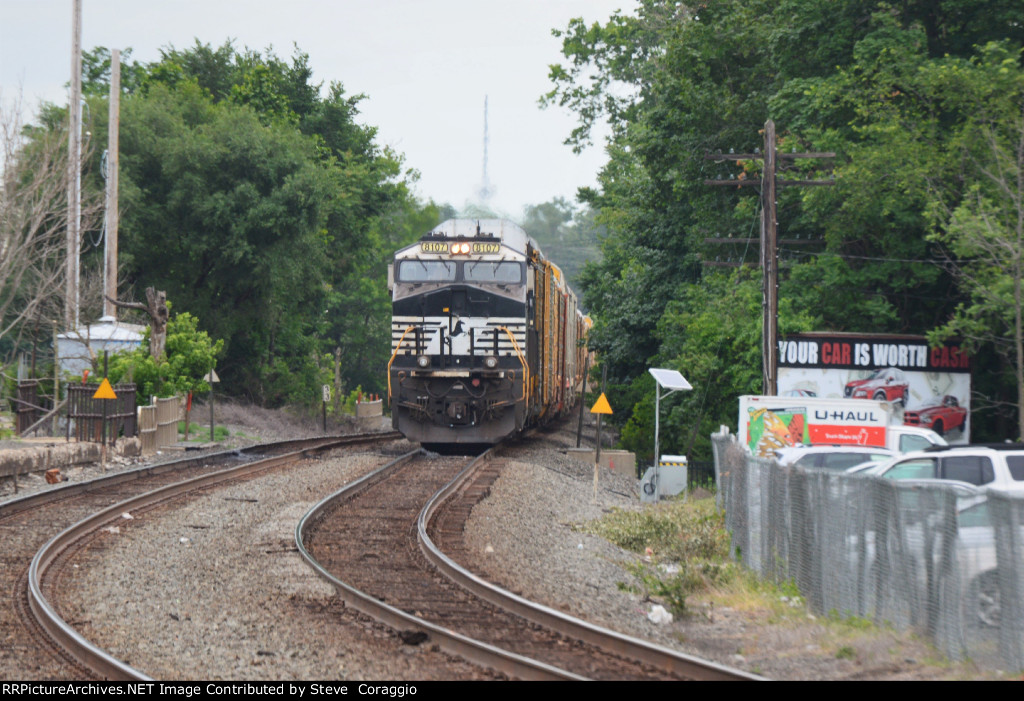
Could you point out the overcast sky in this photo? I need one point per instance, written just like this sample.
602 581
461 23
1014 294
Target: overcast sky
424 65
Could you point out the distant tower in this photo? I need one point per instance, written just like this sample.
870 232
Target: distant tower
486 190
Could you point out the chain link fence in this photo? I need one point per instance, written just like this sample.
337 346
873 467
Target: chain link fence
942 559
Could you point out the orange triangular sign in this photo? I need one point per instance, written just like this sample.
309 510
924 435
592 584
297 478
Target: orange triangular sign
106 391
601 406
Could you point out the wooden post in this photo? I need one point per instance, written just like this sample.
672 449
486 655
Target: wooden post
74 170
56 381
110 257
583 400
769 264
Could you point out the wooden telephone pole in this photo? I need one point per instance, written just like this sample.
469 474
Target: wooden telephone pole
71 270
113 148
768 183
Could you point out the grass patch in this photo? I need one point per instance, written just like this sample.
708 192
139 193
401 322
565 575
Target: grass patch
198 434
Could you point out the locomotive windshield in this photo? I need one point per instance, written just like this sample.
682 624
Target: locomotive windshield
504 272
426 271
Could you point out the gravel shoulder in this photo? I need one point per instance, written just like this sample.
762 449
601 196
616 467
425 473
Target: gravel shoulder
522 538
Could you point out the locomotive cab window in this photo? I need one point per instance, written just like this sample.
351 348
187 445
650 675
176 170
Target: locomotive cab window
426 271
502 272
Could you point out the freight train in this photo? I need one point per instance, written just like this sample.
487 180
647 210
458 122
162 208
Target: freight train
486 336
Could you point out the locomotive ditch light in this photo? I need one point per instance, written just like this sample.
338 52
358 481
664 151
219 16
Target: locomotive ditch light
423 361
491 362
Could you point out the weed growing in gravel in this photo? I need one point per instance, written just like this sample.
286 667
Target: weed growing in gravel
674 531
684 543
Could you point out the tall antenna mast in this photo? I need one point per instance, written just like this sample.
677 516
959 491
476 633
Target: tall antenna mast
486 190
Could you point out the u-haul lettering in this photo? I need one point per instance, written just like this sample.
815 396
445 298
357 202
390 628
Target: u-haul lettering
847 416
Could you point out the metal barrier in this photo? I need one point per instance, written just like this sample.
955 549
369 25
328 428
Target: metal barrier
944 561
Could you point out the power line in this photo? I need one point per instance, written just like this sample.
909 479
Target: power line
767 184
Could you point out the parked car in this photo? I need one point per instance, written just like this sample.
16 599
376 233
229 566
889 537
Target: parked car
999 465
940 414
976 560
976 551
886 385
831 457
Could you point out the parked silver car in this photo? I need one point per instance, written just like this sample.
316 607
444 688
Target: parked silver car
831 457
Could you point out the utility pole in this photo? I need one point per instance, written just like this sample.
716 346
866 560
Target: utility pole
768 183
74 171
110 256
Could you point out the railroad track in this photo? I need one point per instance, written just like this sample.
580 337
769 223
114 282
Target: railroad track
37 643
382 549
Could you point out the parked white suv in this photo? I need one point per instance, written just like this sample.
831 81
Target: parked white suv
998 465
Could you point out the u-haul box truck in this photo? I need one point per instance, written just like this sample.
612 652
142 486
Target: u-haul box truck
767 424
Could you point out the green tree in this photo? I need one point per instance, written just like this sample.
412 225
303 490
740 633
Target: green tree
712 335
259 203
857 77
982 226
191 354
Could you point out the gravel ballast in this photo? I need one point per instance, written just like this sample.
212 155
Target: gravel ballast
237 602
215 589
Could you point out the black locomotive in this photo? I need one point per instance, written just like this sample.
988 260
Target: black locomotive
486 335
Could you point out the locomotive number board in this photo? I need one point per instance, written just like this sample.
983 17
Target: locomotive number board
476 247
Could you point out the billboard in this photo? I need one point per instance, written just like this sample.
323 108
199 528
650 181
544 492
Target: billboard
928 387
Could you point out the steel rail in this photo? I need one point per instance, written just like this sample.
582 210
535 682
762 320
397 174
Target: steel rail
664 658
450 641
62 633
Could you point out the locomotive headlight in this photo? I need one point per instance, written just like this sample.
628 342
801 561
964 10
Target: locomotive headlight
423 361
491 362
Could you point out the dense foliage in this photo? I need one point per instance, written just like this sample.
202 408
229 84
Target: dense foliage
922 103
258 202
190 355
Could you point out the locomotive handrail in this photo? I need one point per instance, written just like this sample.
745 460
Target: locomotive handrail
393 356
522 361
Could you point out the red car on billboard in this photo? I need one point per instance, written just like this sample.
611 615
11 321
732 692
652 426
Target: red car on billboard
940 414
886 385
